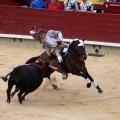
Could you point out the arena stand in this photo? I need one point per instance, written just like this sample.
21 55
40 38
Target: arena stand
90 26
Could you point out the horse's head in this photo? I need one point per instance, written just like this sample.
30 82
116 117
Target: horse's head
78 48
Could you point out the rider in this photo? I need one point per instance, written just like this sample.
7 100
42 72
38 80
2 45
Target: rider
52 42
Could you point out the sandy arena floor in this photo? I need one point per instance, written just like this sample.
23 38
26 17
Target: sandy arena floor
72 101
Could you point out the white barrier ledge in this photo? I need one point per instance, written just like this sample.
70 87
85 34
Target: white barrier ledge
65 40
15 36
97 43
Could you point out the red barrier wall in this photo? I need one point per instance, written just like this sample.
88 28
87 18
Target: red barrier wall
9 2
90 26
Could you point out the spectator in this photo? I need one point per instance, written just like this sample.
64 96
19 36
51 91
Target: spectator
71 5
54 5
86 6
38 4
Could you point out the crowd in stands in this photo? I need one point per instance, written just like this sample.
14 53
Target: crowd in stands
69 5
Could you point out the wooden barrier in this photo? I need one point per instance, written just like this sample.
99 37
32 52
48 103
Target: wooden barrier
90 26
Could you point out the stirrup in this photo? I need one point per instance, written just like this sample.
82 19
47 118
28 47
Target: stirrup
64 76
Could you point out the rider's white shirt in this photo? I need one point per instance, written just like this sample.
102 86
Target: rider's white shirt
51 38
50 41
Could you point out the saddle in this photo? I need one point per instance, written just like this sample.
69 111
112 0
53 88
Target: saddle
53 57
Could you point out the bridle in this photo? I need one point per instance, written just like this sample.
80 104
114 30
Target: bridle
78 57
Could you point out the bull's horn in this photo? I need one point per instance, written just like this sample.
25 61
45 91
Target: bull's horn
55 68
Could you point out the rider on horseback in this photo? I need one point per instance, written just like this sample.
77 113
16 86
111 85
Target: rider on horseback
52 42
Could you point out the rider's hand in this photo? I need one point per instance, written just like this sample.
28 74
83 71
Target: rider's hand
59 42
33 27
32 30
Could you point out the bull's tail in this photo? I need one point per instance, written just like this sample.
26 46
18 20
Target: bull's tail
33 59
5 78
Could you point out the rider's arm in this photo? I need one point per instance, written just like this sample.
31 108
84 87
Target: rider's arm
34 34
55 34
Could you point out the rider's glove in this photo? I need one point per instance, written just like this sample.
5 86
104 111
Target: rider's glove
32 32
59 42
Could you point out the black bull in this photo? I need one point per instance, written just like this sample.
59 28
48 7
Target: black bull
27 78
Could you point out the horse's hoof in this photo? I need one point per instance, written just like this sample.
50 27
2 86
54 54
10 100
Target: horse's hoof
64 76
54 86
88 85
100 91
8 101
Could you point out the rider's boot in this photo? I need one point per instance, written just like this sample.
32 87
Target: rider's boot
64 74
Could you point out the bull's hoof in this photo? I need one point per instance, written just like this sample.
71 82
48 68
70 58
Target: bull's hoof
100 91
20 101
23 98
54 86
88 85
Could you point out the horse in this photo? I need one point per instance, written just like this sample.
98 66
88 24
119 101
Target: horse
74 56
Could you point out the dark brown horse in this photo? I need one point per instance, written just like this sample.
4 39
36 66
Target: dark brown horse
74 57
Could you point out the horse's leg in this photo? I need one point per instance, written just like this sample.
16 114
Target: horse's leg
89 79
86 78
94 82
50 82
16 90
53 83
53 80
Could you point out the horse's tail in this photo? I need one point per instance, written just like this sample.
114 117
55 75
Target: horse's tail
33 59
5 78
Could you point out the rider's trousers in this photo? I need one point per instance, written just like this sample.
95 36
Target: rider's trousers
57 53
